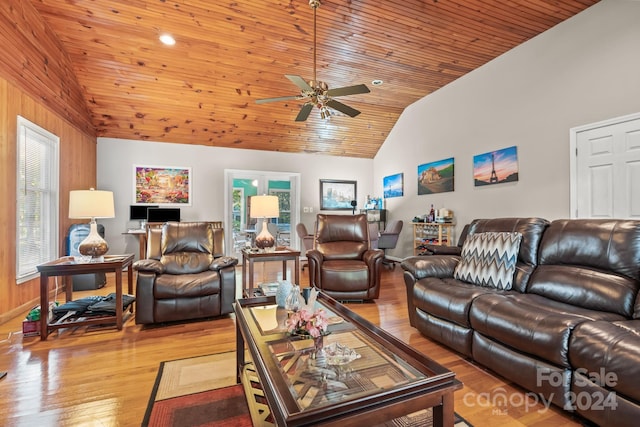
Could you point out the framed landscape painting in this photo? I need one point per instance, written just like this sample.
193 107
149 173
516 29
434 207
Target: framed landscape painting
162 185
436 177
336 195
496 167
393 186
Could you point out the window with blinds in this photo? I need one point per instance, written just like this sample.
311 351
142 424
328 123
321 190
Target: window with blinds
37 198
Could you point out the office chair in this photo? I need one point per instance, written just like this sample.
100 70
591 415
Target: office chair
388 240
307 239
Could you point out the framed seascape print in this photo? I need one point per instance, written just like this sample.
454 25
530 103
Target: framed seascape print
336 195
496 167
436 177
393 186
162 185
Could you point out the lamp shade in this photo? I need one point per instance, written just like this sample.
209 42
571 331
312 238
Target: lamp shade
264 207
91 204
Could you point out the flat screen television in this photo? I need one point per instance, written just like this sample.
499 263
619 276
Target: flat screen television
163 214
139 212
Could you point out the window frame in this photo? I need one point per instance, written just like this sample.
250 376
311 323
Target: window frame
27 131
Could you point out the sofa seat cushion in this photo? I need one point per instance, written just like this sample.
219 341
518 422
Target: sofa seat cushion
448 299
347 275
611 351
168 286
531 324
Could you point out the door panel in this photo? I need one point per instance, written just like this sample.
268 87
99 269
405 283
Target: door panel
607 179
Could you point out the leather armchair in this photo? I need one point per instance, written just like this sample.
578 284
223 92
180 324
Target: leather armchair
341 264
185 275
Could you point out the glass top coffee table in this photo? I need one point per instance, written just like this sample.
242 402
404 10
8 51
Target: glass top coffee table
379 379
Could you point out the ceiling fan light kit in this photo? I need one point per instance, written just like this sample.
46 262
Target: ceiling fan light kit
317 93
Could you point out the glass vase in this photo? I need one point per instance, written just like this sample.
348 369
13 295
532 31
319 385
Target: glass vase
292 302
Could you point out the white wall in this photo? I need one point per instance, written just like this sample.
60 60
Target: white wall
584 70
116 158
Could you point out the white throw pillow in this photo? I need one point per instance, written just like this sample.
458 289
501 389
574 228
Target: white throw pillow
489 259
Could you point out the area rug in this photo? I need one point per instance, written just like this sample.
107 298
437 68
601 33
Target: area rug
202 391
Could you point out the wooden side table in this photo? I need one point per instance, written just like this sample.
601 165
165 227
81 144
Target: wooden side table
141 235
249 257
67 267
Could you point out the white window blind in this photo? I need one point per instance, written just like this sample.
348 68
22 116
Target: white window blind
37 199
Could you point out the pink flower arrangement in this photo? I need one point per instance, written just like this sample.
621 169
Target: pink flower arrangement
304 322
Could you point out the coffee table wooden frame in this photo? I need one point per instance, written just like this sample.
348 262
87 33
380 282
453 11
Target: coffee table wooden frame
435 391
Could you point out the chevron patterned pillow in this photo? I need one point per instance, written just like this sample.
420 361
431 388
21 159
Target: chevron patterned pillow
489 259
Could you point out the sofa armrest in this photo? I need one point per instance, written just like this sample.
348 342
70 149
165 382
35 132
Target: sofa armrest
315 254
314 259
370 256
441 266
442 250
222 262
149 265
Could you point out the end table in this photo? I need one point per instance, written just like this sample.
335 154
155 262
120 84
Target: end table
250 256
66 267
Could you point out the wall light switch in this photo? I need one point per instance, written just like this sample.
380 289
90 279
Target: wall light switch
310 209
305 209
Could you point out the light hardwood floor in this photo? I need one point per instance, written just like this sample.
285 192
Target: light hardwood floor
104 377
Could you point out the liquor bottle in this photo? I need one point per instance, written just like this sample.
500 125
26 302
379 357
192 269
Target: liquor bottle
432 214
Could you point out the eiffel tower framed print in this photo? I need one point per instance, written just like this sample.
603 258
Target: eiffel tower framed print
496 167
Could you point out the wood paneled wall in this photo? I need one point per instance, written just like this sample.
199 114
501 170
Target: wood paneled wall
37 82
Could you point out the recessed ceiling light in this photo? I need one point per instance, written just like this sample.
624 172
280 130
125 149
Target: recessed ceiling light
167 39
377 82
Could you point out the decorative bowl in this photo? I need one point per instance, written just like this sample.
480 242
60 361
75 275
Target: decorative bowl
338 354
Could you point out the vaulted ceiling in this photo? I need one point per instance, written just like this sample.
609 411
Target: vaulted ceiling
228 54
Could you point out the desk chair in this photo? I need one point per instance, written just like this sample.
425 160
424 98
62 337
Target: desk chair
388 240
307 240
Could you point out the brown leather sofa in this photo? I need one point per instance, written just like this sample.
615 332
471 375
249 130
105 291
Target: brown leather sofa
186 275
568 330
341 263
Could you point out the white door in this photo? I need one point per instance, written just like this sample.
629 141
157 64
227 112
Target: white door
240 185
606 183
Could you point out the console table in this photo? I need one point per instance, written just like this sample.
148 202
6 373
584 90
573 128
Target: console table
249 256
67 267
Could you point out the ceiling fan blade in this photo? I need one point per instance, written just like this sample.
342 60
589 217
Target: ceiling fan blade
299 81
304 112
348 90
281 98
352 112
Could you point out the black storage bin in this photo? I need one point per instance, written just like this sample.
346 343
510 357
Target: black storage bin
84 282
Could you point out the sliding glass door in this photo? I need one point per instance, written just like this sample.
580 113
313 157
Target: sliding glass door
240 185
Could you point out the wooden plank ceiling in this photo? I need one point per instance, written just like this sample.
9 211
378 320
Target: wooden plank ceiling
230 53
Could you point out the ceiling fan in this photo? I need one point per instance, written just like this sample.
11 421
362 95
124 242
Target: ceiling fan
317 93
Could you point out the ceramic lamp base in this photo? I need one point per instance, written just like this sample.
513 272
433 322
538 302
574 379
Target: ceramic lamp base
265 240
94 245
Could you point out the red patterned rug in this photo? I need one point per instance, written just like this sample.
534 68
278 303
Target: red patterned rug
201 391
220 407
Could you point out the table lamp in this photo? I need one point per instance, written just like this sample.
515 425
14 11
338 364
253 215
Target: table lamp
92 204
264 207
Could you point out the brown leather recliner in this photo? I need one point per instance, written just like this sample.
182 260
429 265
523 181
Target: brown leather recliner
185 275
341 264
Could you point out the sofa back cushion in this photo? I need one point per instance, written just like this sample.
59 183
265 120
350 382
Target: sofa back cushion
590 263
342 236
489 259
187 247
531 230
